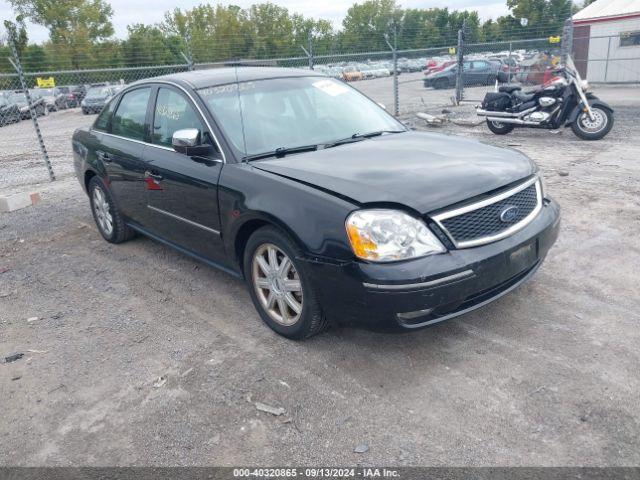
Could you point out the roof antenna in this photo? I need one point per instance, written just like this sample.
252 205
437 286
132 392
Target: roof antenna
244 138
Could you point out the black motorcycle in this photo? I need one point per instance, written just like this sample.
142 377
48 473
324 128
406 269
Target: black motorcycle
563 101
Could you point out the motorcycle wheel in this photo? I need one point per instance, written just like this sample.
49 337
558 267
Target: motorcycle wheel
499 128
595 129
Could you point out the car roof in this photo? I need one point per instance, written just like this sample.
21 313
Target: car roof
221 76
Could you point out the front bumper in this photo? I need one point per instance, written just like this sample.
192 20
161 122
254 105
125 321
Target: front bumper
92 108
416 293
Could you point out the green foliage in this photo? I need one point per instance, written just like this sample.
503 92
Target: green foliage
81 32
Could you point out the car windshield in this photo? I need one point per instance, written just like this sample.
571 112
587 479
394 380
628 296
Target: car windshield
283 113
98 92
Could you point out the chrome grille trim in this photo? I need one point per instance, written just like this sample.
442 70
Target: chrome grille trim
439 218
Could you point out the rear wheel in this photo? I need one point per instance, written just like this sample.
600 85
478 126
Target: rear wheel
499 128
106 214
593 129
280 286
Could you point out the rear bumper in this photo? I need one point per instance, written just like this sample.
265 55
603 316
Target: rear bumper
418 293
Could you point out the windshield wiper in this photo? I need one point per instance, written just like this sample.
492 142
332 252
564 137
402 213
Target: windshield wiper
356 137
281 152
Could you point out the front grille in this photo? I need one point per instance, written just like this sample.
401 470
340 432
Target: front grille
491 220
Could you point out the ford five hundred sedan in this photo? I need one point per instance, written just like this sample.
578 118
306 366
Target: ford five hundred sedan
329 208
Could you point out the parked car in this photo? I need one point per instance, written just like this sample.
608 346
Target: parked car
351 74
53 98
96 98
475 72
9 112
71 100
79 92
329 208
19 98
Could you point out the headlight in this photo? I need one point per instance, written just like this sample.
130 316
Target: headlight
389 235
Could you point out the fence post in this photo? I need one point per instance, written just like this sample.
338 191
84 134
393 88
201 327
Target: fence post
567 40
311 60
34 116
189 56
394 50
460 58
309 52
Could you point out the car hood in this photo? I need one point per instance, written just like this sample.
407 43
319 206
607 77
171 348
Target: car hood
424 171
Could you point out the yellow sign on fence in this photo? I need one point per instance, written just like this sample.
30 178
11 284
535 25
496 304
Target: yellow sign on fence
452 50
554 39
46 82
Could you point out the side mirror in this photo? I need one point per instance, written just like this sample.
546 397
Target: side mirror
186 138
189 142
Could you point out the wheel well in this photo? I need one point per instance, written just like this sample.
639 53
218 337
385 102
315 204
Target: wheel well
242 237
88 175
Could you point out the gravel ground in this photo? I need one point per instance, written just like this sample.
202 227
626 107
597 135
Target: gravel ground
137 355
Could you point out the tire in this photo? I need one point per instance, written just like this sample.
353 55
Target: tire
310 320
120 231
499 128
587 130
441 84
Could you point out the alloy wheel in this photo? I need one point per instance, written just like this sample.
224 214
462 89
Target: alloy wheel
596 125
277 284
102 210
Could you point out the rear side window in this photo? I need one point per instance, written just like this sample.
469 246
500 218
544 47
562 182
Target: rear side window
173 112
128 121
102 122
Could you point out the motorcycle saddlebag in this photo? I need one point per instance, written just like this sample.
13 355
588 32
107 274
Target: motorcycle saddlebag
496 101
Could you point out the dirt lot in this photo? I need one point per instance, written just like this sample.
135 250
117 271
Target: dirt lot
137 355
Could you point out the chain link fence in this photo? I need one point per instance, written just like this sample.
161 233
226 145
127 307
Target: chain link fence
405 80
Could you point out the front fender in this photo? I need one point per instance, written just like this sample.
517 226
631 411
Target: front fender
314 219
593 102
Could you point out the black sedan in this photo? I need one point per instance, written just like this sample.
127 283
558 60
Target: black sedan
474 72
328 207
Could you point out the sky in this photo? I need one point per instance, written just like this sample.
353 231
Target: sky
126 12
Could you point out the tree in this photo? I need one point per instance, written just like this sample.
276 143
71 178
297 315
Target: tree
366 24
74 25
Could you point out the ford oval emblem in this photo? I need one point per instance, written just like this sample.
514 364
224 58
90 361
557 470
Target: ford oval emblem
509 214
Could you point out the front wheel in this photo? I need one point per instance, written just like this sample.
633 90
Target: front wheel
280 286
106 214
499 128
593 129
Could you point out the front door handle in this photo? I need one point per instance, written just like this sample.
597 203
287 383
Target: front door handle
152 175
104 156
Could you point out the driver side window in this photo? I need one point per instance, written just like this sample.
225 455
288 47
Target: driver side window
173 112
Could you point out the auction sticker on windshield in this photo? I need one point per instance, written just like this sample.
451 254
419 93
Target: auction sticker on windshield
330 87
